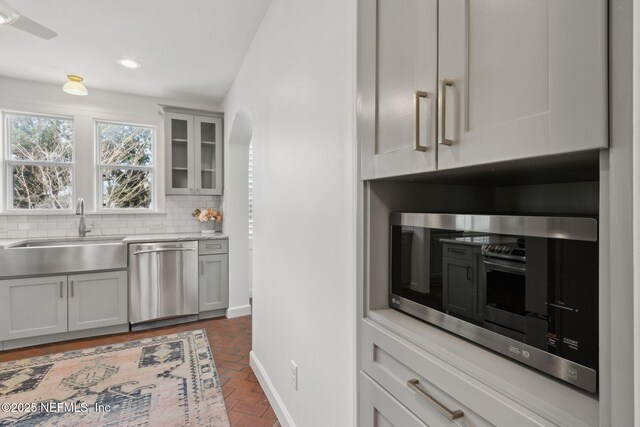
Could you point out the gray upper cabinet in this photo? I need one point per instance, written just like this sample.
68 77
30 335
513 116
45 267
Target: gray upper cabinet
520 79
193 153
97 300
397 85
490 81
32 307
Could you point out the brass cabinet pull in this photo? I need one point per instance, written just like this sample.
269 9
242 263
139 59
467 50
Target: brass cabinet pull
442 111
72 289
61 290
416 140
414 384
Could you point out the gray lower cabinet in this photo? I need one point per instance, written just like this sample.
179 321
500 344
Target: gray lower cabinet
379 408
410 381
62 304
214 282
97 300
32 307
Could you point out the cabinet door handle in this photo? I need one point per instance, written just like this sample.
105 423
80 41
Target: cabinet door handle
414 384
442 111
202 268
416 140
72 289
61 290
469 273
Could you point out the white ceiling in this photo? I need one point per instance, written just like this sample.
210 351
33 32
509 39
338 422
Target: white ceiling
190 50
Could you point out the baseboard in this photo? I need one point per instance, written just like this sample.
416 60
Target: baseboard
63 336
240 310
274 398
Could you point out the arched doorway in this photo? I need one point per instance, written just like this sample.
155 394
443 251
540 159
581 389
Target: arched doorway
237 215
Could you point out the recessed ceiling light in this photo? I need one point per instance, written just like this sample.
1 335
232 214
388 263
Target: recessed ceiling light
129 63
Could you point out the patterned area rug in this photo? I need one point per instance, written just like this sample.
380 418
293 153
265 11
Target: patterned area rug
160 381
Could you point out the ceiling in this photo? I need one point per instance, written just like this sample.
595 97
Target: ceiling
190 50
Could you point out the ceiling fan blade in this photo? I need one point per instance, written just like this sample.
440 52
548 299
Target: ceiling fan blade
25 24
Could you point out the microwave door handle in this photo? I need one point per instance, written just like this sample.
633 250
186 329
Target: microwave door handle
503 267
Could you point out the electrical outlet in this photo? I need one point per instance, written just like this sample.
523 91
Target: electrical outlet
294 375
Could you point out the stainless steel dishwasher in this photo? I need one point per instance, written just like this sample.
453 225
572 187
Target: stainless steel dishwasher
163 282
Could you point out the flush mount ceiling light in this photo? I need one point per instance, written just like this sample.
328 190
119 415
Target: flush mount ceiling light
128 63
74 85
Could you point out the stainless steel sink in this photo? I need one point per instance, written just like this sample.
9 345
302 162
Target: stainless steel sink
68 242
71 255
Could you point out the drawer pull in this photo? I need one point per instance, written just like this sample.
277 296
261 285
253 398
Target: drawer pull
414 384
457 251
218 246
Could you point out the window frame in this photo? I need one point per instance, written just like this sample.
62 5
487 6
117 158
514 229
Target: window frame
8 163
153 207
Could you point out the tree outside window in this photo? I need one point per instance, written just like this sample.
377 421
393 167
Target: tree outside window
39 162
125 165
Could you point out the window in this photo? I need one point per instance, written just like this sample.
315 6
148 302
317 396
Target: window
39 162
126 165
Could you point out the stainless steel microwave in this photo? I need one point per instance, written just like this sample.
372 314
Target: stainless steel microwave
523 286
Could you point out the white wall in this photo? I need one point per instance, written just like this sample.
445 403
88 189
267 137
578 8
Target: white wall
297 82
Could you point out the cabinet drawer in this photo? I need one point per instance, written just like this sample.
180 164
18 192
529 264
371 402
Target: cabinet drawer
457 251
433 390
212 247
378 408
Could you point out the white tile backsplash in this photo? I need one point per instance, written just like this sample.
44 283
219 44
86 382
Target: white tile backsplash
176 219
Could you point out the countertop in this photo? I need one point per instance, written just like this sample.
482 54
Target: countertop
172 237
134 238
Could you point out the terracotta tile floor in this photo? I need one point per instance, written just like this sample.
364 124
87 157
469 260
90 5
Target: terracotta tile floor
230 341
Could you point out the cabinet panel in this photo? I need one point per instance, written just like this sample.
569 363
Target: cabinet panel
20 299
214 282
208 155
398 86
520 79
380 409
459 287
212 247
392 362
97 300
179 153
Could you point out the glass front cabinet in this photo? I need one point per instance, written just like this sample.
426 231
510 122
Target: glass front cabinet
194 154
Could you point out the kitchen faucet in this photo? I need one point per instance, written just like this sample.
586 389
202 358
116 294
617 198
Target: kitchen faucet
82 228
